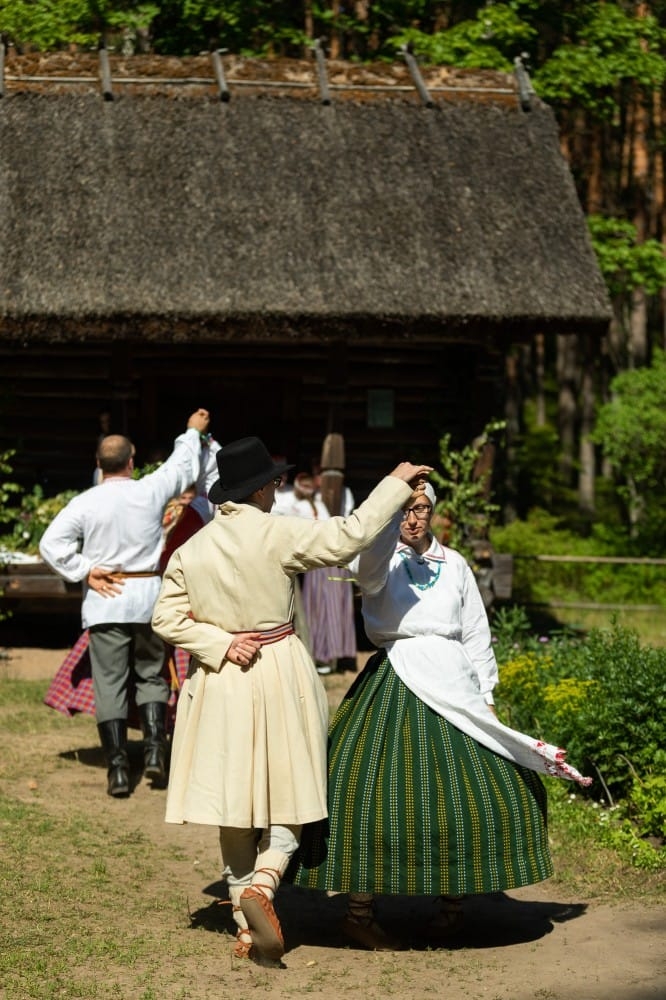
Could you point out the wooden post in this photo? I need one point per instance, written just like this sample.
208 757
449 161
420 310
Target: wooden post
105 71
324 92
2 67
525 88
216 56
417 79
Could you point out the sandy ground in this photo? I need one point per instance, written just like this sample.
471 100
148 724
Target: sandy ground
532 944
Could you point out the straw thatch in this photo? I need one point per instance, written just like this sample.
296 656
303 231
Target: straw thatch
278 217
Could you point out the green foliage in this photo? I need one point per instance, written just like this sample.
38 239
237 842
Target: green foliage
463 495
544 533
31 519
612 48
488 42
624 262
9 490
647 801
603 698
537 456
145 470
25 515
53 24
631 430
587 822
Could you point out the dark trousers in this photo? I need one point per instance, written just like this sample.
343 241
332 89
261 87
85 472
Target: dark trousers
120 652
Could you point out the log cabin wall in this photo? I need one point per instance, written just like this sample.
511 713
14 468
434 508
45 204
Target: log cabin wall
290 394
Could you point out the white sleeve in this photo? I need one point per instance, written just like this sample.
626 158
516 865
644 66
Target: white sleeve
181 469
476 636
59 546
371 567
209 472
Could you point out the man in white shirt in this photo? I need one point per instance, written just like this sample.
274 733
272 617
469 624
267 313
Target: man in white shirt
110 538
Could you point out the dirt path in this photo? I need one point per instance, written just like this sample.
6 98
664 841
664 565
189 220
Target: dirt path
537 943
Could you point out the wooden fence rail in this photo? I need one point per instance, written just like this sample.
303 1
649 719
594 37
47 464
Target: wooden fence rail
593 560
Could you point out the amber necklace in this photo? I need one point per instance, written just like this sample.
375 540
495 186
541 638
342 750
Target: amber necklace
421 586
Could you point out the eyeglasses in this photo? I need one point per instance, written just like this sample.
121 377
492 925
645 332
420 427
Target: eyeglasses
277 481
419 510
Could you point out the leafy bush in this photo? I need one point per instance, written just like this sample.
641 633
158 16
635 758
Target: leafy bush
603 698
29 521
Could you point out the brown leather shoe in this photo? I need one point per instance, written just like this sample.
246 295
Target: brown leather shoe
369 935
267 939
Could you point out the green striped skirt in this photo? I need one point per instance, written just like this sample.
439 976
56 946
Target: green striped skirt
416 807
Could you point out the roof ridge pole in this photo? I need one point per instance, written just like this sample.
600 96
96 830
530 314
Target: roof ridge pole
526 91
415 74
319 55
105 70
223 88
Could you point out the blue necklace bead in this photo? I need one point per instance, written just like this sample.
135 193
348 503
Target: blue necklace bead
421 586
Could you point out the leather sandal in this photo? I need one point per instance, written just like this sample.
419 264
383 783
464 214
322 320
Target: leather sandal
267 939
243 943
369 935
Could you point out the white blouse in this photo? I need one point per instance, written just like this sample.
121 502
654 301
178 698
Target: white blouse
427 612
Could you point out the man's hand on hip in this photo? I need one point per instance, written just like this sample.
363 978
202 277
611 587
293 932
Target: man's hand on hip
104 582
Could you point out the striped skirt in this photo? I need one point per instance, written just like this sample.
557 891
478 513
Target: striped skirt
328 605
416 807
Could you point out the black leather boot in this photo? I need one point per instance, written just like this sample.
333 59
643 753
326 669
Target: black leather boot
153 723
113 736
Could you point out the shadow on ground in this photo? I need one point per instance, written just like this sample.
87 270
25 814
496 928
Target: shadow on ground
312 918
94 757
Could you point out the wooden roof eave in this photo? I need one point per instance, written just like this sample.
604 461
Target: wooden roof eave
164 329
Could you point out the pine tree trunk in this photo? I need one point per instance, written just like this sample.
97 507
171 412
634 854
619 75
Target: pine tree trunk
539 372
567 381
586 453
336 46
308 26
512 407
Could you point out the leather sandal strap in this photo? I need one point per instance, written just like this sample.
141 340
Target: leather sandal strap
274 875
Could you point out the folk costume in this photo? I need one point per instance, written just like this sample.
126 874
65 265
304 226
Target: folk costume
249 748
117 525
429 794
71 690
327 596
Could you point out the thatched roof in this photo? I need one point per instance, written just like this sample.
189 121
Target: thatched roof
276 216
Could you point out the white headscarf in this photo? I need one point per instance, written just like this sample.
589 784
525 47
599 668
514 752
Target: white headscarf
430 493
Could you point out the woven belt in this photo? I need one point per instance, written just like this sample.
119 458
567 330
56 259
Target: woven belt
275 634
134 576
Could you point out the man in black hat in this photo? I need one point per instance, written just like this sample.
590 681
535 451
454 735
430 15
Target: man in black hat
249 748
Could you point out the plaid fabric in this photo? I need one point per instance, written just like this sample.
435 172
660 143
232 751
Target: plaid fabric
71 690
416 806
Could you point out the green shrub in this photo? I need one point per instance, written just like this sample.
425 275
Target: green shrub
603 698
31 519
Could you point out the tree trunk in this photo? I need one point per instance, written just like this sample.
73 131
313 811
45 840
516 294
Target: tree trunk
539 371
586 453
637 348
512 416
336 44
567 380
308 26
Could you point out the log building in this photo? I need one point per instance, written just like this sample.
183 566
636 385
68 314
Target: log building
298 253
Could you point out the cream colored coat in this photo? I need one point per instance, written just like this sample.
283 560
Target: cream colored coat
249 747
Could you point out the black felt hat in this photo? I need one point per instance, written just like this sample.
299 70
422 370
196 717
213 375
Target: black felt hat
244 466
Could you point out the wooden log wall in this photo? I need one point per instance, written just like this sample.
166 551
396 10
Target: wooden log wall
290 394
